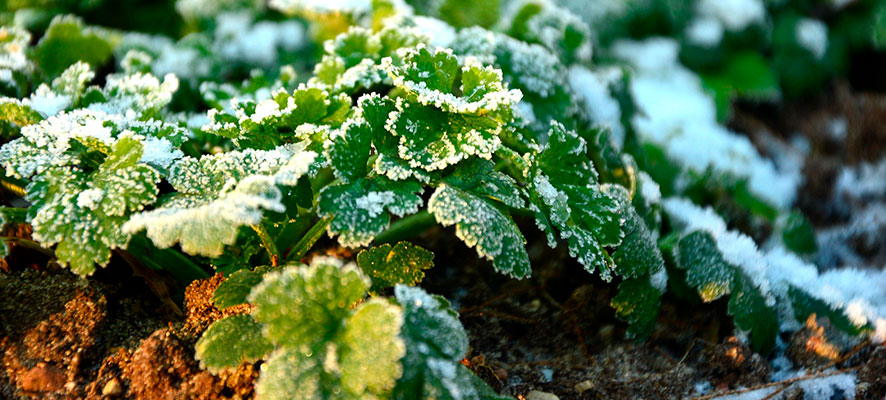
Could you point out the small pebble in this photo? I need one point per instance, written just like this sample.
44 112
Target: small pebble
112 388
584 386
536 395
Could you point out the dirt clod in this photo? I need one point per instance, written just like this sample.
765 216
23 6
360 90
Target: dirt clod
43 378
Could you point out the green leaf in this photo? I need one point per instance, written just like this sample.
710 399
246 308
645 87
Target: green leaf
235 289
479 177
637 303
435 343
302 307
348 151
638 254
706 270
291 374
750 312
805 305
15 115
229 342
360 210
391 265
83 213
67 41
371 348
483 226
798 234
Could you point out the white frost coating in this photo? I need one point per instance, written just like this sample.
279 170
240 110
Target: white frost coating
47 102
860 293
812 35
681 118
136 92
375 202
321 6
829 386
593 89
90 198
205 229
649 189
441 33
237 39
734 14
865 181
659 280
705 32
159 152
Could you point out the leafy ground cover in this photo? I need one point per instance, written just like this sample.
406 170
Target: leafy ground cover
442 200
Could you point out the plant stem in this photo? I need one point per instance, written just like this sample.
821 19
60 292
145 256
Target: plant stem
407 227
307 241
29 244
267 242
13 187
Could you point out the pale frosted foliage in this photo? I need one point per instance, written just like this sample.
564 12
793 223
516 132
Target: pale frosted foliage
812 35
204 224
14 43
371 349
220 193
735 15
326 349
478 223
557 28
64 92
136 92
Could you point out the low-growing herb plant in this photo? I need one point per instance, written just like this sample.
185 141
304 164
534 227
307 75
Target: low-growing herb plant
242 161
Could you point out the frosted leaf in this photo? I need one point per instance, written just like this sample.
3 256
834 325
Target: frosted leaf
435 343
348 150
556 28
370 348
15 67
637 303
204 224
301 307
429 77
138 92
481 225
289 374
432 140
397 170
479 177
229 342
705 268
18 114
358 208
87 229
752 312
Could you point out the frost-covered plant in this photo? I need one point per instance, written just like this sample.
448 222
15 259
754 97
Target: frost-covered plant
322 339
238 157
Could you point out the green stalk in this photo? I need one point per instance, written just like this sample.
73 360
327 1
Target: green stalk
407 227
307 241
29 244
13 187
267 242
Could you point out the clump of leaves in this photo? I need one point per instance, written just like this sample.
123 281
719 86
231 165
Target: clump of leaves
321 338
